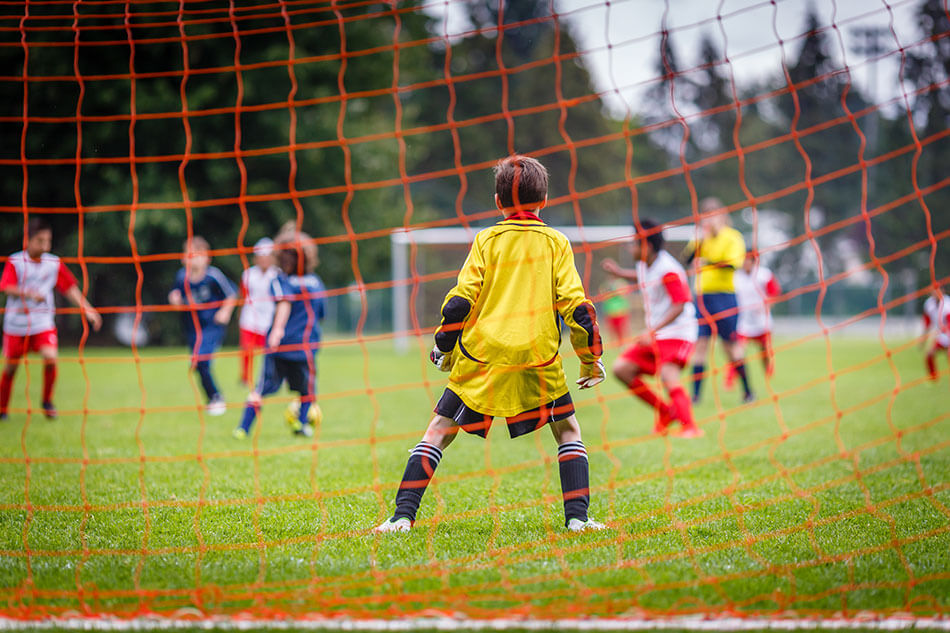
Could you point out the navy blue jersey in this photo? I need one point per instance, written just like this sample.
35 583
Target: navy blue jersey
207 293
307 307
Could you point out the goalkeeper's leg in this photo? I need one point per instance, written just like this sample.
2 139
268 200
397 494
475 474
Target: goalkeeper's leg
423 460
575 474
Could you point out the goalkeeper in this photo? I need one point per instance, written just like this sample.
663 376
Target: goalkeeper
499 338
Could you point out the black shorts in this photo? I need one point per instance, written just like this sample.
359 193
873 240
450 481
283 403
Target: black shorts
296 372
451 406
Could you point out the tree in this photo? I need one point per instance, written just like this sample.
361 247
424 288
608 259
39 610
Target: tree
269 145
927 71
522 89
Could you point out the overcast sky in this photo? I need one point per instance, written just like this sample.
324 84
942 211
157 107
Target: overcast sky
621 39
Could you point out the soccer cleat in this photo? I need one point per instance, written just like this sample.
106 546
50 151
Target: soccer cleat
3 416
664 419
690 432
49 411
216 406
393 525
239 433
305 430
749 397
576 525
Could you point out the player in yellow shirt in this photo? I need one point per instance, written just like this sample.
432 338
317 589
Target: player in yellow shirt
719 253
499 338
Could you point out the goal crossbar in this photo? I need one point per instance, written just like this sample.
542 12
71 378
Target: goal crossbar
403 240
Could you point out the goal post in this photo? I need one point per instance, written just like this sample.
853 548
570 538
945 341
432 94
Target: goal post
402 241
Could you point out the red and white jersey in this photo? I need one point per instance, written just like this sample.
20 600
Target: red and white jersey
937 316
752 291
42 276
258 311
663 284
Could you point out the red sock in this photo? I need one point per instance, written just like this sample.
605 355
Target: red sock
642 390
6 386
684 408
932 366
730 375
247 365
49 381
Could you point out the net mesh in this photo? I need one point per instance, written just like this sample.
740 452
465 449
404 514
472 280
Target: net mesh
133 126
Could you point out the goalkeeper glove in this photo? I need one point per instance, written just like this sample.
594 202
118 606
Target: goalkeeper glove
441 359
592 374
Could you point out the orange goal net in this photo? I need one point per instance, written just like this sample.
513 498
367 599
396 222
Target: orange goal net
820 486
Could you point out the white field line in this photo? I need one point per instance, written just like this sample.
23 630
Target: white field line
218 623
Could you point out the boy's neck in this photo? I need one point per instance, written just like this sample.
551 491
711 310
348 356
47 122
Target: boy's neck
516 213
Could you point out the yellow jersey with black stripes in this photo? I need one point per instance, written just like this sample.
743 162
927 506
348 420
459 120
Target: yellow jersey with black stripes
501 319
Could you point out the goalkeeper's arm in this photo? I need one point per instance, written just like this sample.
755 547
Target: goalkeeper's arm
454 312
585 338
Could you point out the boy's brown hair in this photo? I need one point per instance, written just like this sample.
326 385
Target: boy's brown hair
289 244
196 243
520 180
35 225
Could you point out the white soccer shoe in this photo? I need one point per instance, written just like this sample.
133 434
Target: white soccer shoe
216 406
389 525
576 525
305 430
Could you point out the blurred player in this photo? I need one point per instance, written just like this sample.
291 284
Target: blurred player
936 328
499 337
666 345
616 308
209 299
294 336
29 278
718 254
258 310
755 287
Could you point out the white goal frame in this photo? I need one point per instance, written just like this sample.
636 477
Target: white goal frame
402 239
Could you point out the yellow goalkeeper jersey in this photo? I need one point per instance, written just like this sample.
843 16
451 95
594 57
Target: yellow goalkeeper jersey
518 277
722 255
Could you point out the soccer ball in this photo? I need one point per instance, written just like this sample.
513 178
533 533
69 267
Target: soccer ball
291 413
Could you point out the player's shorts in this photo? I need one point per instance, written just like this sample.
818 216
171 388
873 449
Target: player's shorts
17 346
649 357
723 314
210 340
252 340
471 421
296 372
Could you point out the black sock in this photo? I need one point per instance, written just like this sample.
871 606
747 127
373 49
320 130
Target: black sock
575 480
423 460
698 371
740 369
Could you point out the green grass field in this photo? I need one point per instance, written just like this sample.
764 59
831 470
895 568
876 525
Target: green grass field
829 494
